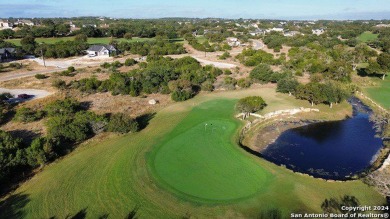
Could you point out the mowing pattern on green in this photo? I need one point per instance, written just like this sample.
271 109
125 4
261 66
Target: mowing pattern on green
381 94
200 159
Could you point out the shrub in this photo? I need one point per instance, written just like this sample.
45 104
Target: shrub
130 62
105 65
225 55
227 72
116 64
244 82
16 65
40 76
63 107
122 123
207 86
181 95
59 84
26 115
71 69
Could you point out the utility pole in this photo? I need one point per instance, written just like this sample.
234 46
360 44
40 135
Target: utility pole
43 57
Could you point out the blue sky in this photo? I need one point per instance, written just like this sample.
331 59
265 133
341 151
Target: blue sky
282 9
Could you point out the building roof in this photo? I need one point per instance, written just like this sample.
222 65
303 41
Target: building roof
10 50
98 48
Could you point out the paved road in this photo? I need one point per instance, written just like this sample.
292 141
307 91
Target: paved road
257 44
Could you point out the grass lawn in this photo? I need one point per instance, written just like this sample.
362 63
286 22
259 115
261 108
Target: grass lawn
381 93
201 39
175 168
367 37
102 40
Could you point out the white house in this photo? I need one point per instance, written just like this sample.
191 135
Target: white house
318 31
276 29
24 22
233 42
101 50
291 33
5 24
258 32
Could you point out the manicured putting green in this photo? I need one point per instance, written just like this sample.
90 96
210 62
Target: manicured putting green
201 160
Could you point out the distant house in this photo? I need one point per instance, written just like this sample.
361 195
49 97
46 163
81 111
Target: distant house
5 24
318 31
7 54
291 33
276 29
382 25
233 42
101 50
258 32
89 25
23 22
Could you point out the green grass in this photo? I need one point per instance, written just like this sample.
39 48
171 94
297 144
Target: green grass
114 176
381 93
209 167
102 40
367 37
201 39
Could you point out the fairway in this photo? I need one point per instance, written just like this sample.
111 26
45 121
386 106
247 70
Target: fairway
203 160
381 93
367 37
177 167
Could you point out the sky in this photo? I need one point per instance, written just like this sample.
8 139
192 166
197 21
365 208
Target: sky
258 9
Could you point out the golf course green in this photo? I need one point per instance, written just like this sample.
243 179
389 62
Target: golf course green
200 159
177 167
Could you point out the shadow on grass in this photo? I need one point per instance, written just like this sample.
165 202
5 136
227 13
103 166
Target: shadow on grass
143 121
133 213
362 73
12 207
271 214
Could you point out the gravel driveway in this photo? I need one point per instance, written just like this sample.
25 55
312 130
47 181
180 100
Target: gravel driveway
37 94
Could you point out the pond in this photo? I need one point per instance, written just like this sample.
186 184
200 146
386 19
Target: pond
329 150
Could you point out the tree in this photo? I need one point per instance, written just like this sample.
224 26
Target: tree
35 154
11 154
262 72
311 92
287 85
384 62
28 44
128 36
81 38
250 104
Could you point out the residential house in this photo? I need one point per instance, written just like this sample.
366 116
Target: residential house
291 33
23 22
382 25
5 24
101 50
89 25
258 32
318 31
276 29
233 42
7 54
